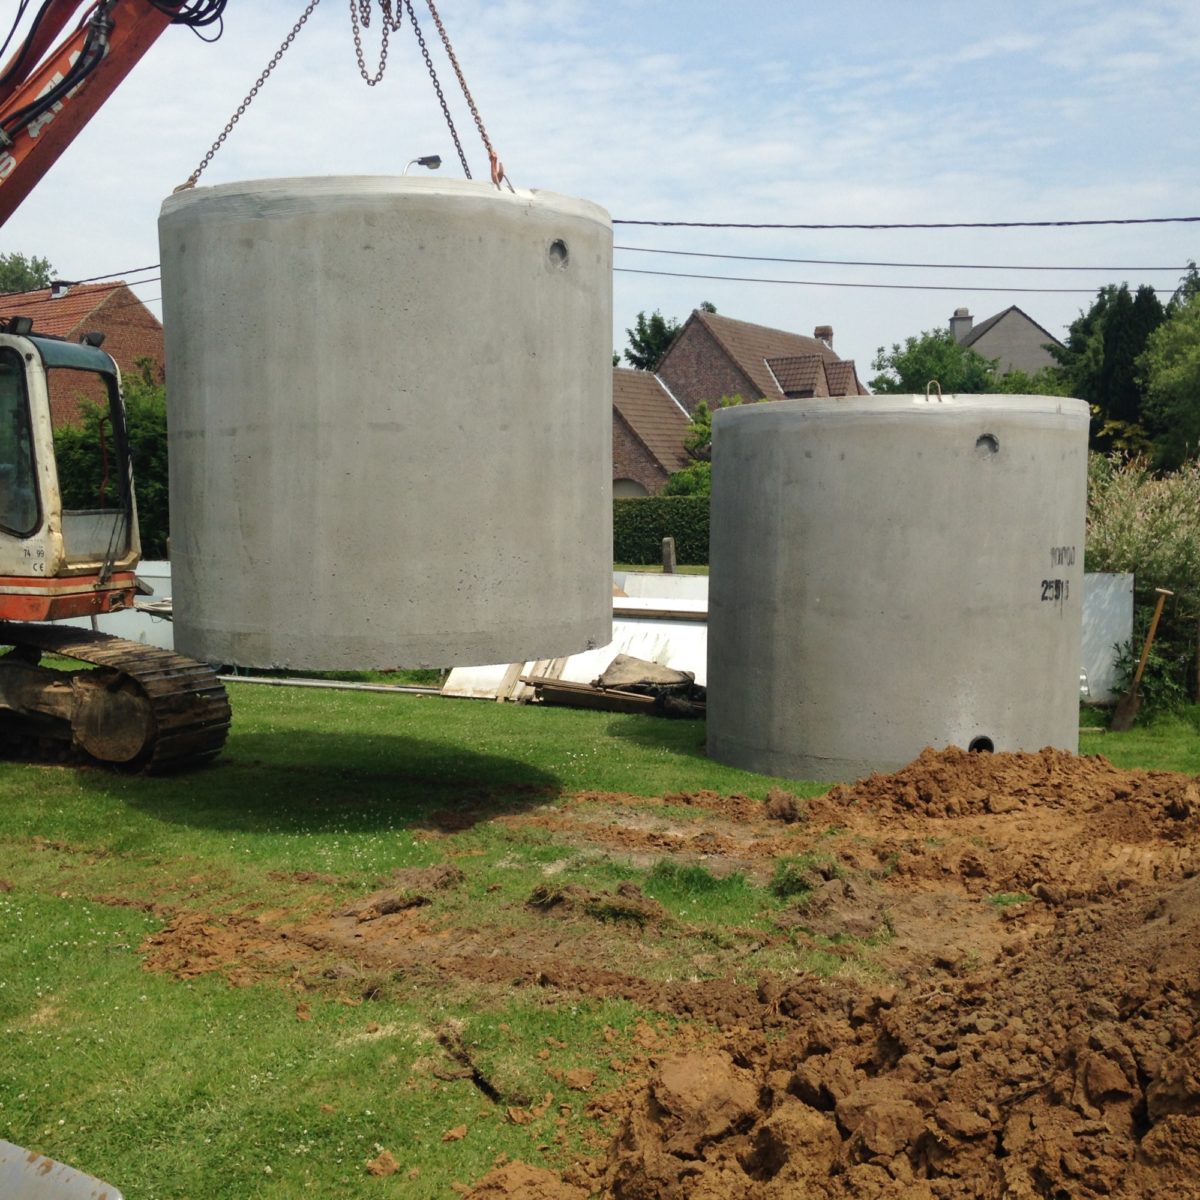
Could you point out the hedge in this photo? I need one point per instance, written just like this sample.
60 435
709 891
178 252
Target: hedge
639 526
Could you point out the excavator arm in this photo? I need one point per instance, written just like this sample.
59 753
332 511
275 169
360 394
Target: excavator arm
131 705
49 92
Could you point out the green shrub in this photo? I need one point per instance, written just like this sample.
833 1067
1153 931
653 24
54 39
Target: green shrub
1149 524
639 526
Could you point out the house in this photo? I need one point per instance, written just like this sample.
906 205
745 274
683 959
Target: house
648 432
714 356
131 332
1012 338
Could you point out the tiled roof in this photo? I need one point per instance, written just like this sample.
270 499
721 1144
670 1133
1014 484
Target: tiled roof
67 316
802 373
751 345
655 418
843 379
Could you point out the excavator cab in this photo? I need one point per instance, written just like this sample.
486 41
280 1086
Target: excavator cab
70 551
63 552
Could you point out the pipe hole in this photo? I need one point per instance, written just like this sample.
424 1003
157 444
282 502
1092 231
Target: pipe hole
981 745
559 254
987 444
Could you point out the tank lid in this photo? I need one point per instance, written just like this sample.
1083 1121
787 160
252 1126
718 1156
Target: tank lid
301 191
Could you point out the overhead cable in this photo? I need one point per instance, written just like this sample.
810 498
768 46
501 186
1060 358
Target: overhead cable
913 224
849 262
833 283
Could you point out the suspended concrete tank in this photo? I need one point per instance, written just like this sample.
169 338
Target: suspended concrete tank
390 413
894 572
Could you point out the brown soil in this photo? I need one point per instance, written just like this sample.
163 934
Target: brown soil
1023 1022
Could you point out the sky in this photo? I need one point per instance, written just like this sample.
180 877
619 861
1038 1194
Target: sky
871 111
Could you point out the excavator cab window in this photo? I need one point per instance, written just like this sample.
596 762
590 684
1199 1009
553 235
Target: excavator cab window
18 483
93 464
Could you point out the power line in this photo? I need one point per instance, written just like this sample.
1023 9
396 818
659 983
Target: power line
122 274
916 224
52 299
902 287
850 262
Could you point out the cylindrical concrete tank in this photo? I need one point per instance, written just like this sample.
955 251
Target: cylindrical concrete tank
390 413
890 573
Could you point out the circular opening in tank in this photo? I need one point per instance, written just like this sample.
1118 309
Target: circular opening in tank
559 254
981 745
986 444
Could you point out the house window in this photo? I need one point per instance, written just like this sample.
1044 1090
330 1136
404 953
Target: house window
628 489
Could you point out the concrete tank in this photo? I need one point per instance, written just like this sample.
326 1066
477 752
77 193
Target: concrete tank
890 573
390 413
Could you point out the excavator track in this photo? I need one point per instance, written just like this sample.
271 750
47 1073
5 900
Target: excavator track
188 706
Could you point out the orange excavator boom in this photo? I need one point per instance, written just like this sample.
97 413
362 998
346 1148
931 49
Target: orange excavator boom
48 95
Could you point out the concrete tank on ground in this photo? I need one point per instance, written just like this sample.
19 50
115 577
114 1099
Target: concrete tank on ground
390 412
894 572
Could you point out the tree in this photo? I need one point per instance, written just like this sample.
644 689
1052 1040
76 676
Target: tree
696 478
1189 285
1169 373
21 274
693 480
935 355
1048 381
649 340
1099 360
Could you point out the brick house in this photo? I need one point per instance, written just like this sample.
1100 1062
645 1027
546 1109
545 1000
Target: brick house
131 332
1011 337
714 356
648 431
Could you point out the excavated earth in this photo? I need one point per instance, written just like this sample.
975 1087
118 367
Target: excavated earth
1018 1017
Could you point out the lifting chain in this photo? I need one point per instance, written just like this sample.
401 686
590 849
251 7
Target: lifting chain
392 12
245 104
437 87
497 166
360 15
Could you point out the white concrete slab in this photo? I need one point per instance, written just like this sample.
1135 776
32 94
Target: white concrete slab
662 586
1107 624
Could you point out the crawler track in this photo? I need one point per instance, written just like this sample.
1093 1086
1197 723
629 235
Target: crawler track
189 704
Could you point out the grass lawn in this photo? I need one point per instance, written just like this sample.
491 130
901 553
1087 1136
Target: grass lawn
181 1085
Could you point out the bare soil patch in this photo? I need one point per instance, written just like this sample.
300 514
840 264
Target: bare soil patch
1023 1022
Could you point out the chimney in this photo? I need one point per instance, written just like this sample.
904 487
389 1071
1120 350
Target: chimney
960 324
824 333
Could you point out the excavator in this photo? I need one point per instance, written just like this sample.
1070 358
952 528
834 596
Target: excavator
126 705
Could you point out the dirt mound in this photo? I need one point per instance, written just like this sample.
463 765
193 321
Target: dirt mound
517 1181
1073 1071
1019 1016
1068 1066
955 783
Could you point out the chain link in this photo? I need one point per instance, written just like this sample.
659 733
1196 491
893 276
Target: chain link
392 14
497 166
245 104
437 86
360 14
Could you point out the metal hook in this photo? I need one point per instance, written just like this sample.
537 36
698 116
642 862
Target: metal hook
933 383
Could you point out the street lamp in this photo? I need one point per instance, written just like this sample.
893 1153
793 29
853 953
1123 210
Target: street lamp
430 161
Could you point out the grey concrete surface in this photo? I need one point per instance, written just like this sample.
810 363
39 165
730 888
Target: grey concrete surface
390 422
890 573
1107 623
27 1175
